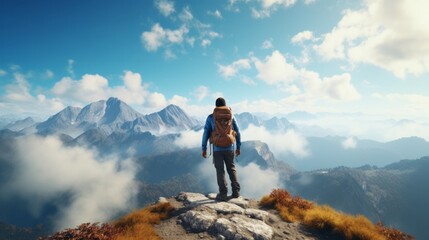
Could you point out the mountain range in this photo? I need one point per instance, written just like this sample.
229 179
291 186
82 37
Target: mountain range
111 116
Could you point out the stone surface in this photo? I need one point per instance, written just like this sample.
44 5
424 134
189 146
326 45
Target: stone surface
192 198
257 214
162 200
206 218
198 221
212 196
259 229
225 208
240 201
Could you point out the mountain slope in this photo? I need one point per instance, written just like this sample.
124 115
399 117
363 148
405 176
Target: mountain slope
396 194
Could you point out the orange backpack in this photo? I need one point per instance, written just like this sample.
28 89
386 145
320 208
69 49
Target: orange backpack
222 135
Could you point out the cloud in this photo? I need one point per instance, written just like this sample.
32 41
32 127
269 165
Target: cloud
158 36
201 92
70 69
206 42
228 71
165 7
2 73
269 6
95 87
281 143
299 83
267 44
20 91
189 139
266 180
349 143
391 35
46 170
275 69
186 15
216 14
337 87
303 36
48 74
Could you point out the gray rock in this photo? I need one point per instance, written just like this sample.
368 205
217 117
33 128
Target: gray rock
198 221
192 198
230 230
225 208
240 201
162 200
212 196
257 214
258 229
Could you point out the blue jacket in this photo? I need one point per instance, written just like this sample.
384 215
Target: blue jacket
208 128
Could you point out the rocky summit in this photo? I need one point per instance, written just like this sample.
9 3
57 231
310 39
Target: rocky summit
198 216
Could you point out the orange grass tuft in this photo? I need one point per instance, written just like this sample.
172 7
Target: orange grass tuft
139 224
326 219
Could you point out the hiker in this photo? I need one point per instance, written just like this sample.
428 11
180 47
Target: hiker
222 130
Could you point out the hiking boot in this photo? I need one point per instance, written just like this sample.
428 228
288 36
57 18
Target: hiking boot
235 195
221 197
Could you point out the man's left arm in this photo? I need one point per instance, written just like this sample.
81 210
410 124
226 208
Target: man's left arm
237 137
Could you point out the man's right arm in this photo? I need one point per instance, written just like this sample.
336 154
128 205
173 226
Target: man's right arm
206 134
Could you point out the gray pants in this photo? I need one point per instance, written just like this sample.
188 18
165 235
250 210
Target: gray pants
227 157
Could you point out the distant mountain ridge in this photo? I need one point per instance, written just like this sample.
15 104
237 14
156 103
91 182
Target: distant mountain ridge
274 124
111 116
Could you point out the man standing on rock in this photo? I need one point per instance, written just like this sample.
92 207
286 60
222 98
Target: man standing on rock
222 130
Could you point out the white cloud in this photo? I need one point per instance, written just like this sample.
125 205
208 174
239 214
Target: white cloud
216 14
179 100
48 74
302 36
158 36
20 91
70 69
189 139
165 7
100 188
391 35
206 42
307 2
269 6
228 71
256 182
186 15
18 99
275 69
201 92
2 72
267 44
281 143
156 100
95 87
349 143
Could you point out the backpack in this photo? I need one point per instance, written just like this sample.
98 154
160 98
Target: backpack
222 135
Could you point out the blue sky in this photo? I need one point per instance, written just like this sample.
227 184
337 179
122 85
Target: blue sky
276 56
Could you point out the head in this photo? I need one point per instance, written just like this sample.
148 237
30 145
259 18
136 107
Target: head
220 102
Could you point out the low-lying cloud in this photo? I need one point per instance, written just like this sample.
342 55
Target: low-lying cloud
45 170
280 143
255 182
189 139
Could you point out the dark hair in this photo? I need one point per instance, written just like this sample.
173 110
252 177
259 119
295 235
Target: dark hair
220 102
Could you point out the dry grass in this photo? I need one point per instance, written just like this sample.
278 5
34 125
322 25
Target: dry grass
326 219
139 224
